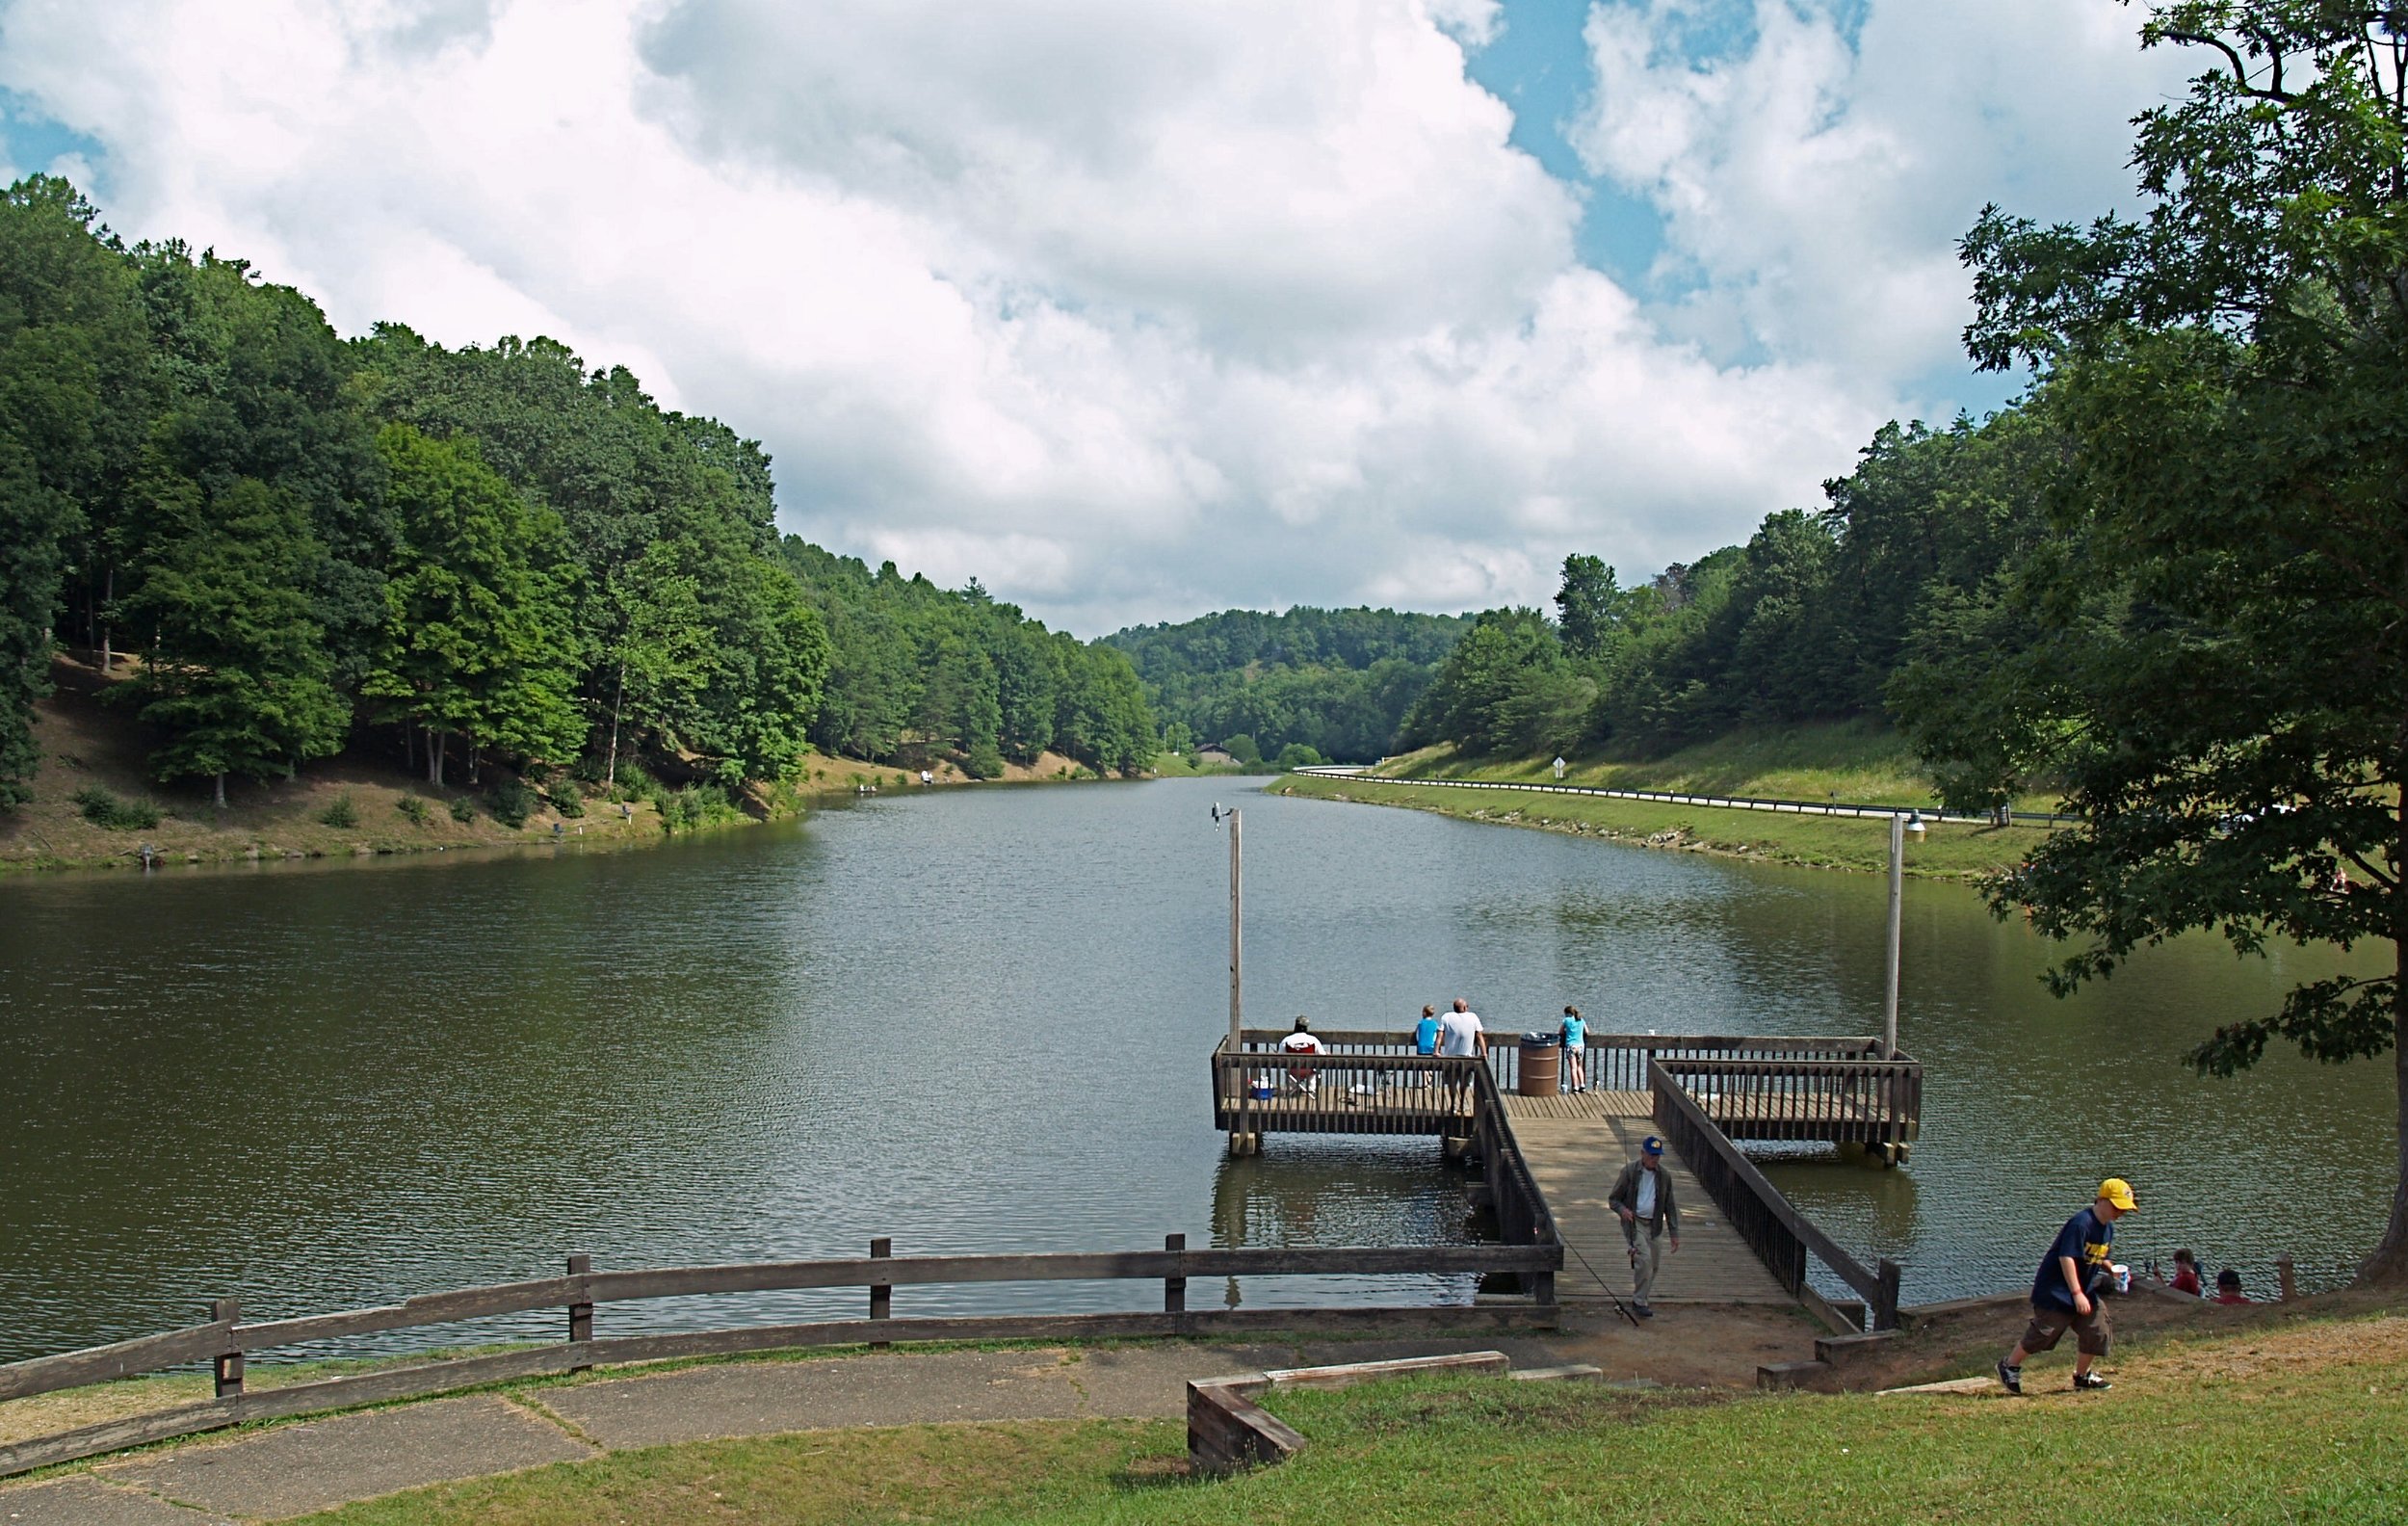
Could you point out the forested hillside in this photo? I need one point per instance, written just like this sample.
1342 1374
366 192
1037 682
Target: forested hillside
1333 682
284 543
1870 606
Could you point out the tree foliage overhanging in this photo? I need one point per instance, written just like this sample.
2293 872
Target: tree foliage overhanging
491 551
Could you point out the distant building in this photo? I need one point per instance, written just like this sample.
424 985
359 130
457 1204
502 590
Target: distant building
1212 753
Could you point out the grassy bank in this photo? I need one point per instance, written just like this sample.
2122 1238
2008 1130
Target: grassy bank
2294 1422
95 805
1848 762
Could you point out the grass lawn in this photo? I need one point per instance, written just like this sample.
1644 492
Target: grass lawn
1851 760
2292 1423
1955 850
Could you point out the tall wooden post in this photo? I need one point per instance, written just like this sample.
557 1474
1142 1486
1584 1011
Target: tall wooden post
1174 1288
1240 1138
1898 880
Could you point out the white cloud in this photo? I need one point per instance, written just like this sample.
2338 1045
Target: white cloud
1815 188
1129 311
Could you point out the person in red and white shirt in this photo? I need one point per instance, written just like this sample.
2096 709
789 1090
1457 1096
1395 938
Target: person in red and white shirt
1303 1042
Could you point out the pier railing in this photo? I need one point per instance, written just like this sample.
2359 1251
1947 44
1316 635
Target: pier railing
1367 1082
1781 1236
227 1339
1703 1092
1838 1090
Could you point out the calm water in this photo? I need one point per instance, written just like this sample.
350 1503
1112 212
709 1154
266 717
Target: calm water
977 1020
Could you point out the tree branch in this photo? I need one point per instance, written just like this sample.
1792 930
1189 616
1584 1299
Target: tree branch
2240 70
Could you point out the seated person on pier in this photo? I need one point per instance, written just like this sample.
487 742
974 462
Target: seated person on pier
2228 1288
1303 1042
1426 1032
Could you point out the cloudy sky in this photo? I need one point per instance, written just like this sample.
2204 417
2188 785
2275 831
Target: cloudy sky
1133 310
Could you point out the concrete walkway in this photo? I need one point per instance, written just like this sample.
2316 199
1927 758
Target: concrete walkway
313 1465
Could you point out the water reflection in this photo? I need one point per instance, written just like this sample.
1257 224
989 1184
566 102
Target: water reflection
977 1020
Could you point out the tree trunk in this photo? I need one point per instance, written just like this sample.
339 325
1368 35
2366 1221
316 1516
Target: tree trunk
221 791
434 757
472 762
610 773
110 596
410 748
2389 1265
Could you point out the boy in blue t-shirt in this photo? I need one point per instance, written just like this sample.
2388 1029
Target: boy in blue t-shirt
1574 1032
1426 1032
2066 1291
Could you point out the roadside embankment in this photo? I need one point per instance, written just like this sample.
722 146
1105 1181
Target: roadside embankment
1844 762
1950 851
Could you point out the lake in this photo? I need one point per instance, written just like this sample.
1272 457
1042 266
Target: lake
976 1019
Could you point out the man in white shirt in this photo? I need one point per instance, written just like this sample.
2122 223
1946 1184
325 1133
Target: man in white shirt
1459 1033
1460 1037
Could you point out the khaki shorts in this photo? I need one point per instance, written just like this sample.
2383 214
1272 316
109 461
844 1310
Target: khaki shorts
2048 1325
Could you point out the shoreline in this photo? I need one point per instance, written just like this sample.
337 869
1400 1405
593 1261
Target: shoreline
363 805
1952 852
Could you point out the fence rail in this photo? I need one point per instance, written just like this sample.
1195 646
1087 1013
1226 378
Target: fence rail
226 1340
1368 1082
1781 1236
1874 1102
1724 802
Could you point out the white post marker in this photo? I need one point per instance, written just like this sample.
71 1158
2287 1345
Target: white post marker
1559 771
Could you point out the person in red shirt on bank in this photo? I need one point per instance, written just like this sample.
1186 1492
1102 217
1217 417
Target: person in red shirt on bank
2186 1277
2228 1288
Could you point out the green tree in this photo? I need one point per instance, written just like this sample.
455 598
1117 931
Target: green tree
2230 370
477 634
1588 605
657 650
76 392
236 677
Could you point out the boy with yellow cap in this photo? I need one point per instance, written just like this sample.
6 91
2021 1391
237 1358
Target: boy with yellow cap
2065 1292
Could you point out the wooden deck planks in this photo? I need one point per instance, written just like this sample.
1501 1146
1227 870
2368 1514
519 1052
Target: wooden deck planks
1576 1145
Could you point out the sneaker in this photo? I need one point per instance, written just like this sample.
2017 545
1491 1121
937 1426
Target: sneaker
2011 1377
2090 1382
1643 1311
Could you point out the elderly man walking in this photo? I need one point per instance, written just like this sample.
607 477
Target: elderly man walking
1642 1199
2066 1291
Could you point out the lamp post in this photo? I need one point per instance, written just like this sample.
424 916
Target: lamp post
1899 827
1240 1132
1236 920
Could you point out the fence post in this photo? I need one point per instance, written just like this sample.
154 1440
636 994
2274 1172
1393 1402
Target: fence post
580 1313
229 1364
882 1294
1885 1306
1174 1288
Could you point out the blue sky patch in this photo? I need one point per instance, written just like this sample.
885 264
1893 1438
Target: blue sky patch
32 143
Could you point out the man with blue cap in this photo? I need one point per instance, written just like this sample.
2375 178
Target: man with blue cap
1642 1199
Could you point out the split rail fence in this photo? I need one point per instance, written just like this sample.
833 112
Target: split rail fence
227 1339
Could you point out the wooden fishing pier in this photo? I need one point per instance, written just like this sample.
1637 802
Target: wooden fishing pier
1743 1242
